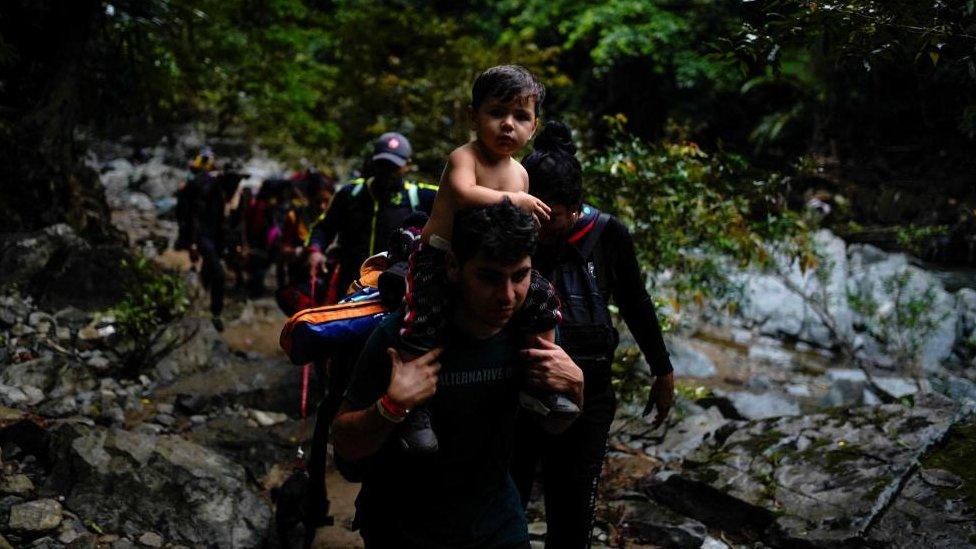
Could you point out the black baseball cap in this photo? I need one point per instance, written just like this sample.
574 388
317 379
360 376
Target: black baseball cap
394 147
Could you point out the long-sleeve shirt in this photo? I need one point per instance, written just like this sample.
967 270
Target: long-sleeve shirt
621 282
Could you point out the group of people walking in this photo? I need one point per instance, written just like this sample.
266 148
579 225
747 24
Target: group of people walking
498 363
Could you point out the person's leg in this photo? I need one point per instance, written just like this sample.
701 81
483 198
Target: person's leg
525 457
213 277
539 317
571 471
425 310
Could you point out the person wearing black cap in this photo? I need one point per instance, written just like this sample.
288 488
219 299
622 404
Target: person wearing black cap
365 212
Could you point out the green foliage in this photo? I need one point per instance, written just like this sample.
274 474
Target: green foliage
151 304
916 239
690 212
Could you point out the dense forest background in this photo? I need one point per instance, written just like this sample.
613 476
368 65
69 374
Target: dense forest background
715 114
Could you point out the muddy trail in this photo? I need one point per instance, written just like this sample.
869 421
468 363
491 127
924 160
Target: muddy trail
255 330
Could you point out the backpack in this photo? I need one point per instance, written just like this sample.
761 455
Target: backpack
586 333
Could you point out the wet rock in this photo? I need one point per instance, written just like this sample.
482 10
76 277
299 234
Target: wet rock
649 522
17 484
35 516
687 361
763 405
816 481
165 484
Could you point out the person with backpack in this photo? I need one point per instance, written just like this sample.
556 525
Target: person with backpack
462 495
589 257
366 211
201 205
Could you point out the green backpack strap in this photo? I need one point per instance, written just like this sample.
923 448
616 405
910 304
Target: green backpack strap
413 194
358 186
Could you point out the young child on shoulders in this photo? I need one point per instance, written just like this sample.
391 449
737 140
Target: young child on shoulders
505 105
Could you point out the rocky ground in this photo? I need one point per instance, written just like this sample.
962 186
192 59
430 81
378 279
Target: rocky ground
776 441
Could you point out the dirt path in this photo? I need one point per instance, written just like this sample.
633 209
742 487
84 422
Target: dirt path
255 328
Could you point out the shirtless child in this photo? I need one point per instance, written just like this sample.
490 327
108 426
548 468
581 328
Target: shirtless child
505 103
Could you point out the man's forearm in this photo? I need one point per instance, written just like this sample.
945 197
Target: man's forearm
359 433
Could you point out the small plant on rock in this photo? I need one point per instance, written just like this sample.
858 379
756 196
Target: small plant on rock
153 301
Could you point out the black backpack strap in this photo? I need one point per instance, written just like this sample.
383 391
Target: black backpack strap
591 239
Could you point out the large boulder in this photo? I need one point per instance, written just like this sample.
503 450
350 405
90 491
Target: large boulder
904 308
813 481
26 255
131 483
773 302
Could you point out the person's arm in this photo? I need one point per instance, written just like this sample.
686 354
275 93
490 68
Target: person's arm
325 232
549 367
630 295
637 310
359 429
460 179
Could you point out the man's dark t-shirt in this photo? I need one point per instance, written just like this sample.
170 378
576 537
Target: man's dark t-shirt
461 496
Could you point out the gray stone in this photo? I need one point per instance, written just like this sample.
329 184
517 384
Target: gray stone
844 392
35 516
17 484
166 484
771 355
151 539
798 390
873 282
24 256
773 304
687 435
923 515
647 522
845 374
688 361
757 480
763 405
267 419
896 387
957 388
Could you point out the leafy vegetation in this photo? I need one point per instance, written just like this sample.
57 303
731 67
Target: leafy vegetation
153 302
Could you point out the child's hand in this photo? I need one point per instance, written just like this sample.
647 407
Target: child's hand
532 205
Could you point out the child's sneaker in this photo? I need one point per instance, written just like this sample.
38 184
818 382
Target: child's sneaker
416 434
553 411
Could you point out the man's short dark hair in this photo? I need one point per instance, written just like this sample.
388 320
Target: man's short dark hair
506 83
502 232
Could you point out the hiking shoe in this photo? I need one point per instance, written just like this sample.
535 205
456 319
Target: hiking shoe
416 435
552 411
218 323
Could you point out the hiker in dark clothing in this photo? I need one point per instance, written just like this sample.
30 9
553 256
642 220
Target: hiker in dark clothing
203 199
366 211
589 257
461 496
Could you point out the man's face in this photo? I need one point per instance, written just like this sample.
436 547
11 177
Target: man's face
560 223
504 128
490 293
